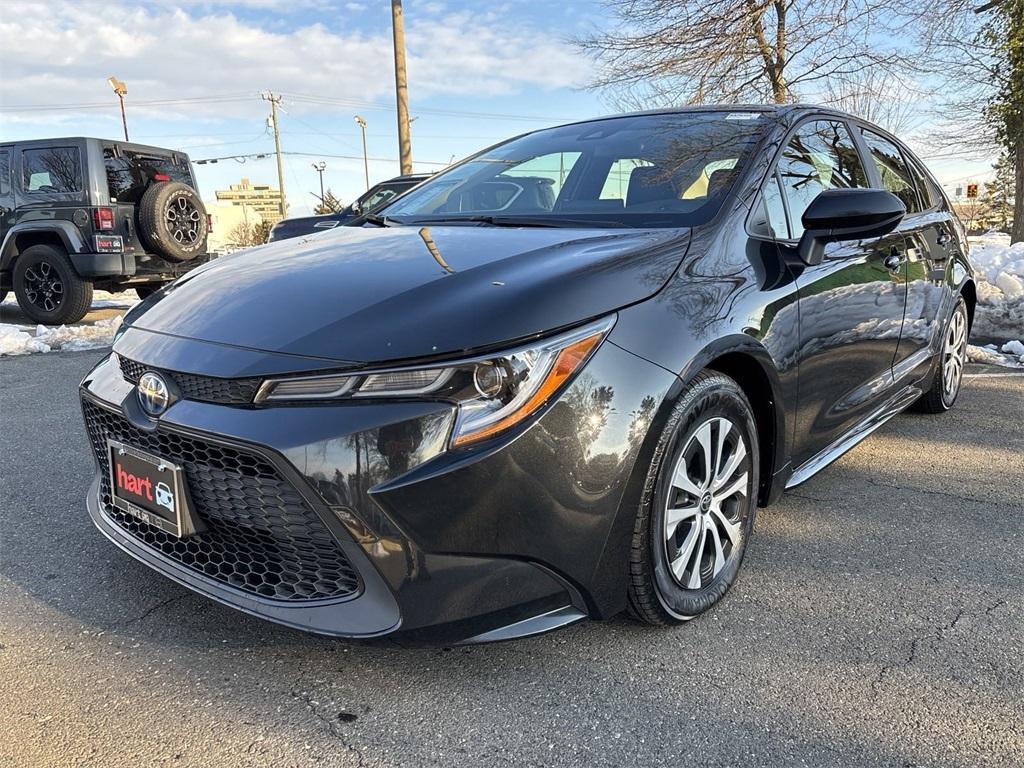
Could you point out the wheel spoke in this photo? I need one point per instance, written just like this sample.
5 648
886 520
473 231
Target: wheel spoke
673 517
738 486
719 552
682 481
694 582
704 438
682 558
738 455
732 530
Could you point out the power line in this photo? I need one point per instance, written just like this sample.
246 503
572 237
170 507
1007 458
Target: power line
106 105
265 155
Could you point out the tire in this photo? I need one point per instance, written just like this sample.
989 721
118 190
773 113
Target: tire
943 391
148 289
663 589
172 221
48 289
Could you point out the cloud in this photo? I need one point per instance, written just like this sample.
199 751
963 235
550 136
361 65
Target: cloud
203 49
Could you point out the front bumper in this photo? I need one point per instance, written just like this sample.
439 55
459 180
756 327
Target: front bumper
505 540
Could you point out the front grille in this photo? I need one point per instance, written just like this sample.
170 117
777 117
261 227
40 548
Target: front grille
192 387
260 537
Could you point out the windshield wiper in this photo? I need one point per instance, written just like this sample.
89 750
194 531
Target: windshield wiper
522 221
380 221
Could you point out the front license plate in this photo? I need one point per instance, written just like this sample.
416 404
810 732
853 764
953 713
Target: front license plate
149 488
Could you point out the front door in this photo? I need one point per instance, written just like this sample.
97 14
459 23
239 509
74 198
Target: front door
6 193
851 304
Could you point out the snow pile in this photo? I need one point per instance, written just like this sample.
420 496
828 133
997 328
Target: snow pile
999 270
18 340
1010 356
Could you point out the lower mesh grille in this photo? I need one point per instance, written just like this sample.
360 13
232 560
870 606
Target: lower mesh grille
260 537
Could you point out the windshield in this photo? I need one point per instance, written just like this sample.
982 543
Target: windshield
667 170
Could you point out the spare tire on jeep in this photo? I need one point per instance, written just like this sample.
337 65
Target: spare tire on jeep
172 221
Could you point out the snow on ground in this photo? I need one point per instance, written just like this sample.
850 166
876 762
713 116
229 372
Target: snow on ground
16 339
19 340
1007 357
1000 277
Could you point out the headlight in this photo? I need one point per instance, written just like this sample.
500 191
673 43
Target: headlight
494 392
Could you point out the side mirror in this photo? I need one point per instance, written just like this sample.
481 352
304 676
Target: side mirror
355 208
847 214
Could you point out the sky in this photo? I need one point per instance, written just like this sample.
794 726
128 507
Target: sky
195 69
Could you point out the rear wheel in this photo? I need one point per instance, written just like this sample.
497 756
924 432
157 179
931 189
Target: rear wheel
949 369
48 289
699 503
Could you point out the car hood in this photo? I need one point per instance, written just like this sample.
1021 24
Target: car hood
373 294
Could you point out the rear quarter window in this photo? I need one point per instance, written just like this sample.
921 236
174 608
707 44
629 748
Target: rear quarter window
52 170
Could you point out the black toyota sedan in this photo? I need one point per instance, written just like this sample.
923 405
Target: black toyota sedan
553 382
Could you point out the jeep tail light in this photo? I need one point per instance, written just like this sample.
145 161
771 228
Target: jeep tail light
161 177
104 218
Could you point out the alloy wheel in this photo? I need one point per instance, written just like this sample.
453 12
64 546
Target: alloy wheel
183 220
706 504
43 286
954 354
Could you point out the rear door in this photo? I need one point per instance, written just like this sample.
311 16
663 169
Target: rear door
930 235
851 304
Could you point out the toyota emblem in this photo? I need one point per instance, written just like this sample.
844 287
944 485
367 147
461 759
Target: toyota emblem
153 393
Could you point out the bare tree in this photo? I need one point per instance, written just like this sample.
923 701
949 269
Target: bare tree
877 96
975 50
245 235
663 52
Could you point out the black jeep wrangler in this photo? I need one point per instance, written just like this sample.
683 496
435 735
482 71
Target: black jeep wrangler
77 213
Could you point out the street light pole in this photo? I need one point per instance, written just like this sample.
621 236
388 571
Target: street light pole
121 90
366 162
320 168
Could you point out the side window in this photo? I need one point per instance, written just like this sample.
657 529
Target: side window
893 169
771 197
820 156
5 172
55 169
924 188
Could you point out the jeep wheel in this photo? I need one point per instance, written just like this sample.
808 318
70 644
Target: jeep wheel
48 289
172 221
148 289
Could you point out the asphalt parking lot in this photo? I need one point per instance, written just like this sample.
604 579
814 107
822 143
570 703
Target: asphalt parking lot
878 622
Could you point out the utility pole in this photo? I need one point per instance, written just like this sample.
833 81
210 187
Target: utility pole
366 162
121 90
320 168
274 101
401 88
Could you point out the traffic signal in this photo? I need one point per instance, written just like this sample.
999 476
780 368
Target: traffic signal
972 191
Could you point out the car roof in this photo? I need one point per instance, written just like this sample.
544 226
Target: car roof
775 110
118 142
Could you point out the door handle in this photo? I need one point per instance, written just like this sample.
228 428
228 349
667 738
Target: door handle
894 260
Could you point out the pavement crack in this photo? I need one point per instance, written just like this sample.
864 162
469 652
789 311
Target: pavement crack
330 723
153 609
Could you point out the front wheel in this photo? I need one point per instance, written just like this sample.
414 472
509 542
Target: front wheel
699 503
949 369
